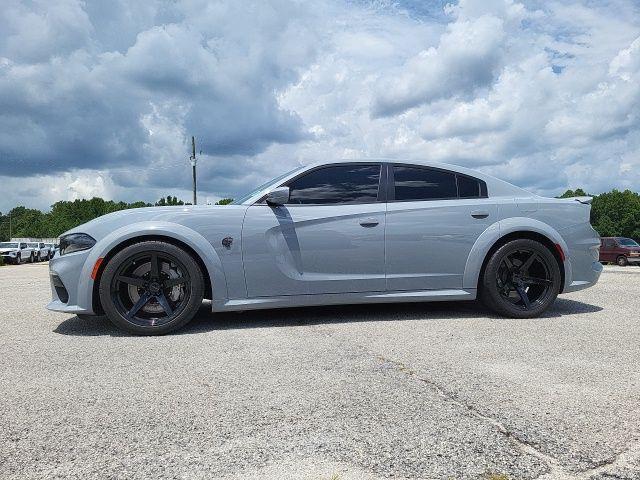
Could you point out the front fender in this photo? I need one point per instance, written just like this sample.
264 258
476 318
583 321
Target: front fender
170 230
500 229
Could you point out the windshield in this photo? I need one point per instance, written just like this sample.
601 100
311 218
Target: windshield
256 190
8 245
627 242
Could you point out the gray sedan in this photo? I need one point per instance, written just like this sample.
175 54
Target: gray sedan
331 233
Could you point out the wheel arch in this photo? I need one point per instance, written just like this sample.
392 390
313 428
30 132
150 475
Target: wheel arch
192 242
502 232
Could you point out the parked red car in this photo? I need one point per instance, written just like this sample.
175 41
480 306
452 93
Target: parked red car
621 250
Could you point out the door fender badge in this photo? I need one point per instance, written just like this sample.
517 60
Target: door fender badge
227 241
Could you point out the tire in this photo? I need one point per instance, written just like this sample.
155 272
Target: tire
31 258
621 261
521 279
18 259
151 288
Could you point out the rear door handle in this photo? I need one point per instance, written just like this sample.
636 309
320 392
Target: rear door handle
479 214
369 222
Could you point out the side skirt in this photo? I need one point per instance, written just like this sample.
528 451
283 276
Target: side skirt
285 301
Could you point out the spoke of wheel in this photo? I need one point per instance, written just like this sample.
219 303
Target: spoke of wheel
142 301
155 266
507 261
137 281
536 281
525 266
162 300
172 282
523 296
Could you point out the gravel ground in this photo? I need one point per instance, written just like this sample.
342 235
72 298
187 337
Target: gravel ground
438 391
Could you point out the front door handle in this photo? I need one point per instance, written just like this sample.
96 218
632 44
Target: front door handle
479 214
369 222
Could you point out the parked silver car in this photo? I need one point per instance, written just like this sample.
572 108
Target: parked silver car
331 233
17 252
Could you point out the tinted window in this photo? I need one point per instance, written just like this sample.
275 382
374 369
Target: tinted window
468 187
338 184
627 242
423 184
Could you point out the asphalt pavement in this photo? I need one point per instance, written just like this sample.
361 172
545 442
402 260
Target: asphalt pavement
434 391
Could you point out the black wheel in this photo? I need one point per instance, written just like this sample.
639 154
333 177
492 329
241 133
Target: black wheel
521 279
151 288
622 261
18 259
31 258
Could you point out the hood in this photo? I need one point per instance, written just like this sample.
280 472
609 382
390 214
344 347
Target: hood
188 215
7 250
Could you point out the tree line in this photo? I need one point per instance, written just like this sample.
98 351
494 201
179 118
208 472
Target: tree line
613 214
65 215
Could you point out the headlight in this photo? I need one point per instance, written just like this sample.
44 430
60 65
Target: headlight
75 242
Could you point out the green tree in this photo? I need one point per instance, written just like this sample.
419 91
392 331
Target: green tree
224 201
169 201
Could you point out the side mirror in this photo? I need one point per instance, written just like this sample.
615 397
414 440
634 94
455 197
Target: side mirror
278 196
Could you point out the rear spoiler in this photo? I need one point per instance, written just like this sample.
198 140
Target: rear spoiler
584 200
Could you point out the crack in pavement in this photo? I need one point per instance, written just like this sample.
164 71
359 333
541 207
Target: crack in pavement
556 470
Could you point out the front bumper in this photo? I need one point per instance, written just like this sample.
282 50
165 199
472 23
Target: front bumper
633 260
71 286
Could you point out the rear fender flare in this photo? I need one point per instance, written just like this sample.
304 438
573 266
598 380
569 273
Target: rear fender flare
500 229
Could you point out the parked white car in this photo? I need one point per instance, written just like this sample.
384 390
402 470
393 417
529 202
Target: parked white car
17 252
41 251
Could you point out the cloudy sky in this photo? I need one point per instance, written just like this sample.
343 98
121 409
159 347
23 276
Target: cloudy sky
101 97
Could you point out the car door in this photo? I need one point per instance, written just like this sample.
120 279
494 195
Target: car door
607 250
329 237
434 217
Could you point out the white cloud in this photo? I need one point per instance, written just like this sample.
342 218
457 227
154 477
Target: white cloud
545 94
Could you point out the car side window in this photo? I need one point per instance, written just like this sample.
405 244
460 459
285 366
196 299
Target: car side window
338 184
469 187
23 245
416 183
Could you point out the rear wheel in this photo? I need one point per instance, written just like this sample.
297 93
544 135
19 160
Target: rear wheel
151 288
622 261
521 279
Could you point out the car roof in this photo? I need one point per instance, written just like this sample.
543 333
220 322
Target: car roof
499 187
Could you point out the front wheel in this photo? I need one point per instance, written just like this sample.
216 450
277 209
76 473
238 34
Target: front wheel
622 261
151 288
31 258
521 279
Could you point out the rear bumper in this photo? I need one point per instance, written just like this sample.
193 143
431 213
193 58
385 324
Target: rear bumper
633 260
588 278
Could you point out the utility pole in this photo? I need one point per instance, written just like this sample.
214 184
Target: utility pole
193 166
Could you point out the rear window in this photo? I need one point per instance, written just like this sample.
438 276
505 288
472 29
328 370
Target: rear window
469 187
415 183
